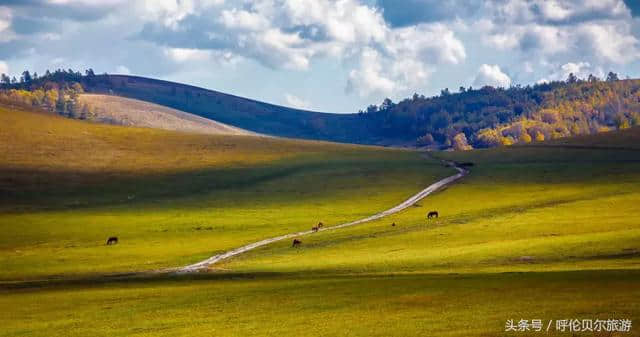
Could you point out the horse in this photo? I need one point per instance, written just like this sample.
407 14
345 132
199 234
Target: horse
432 214
112 240
393 224
314 229
320 225
296 243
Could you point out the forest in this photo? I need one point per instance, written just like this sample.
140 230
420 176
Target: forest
487 117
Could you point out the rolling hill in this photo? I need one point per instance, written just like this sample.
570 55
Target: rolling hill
241 112
470 118
131 112
546 231
173 198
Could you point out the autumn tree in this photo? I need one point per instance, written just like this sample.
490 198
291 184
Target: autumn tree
460 142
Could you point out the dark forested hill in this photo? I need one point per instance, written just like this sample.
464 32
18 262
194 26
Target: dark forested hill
482 117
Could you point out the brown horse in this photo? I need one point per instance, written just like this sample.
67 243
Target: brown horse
112 240
296 243
314 229
432 214
320 225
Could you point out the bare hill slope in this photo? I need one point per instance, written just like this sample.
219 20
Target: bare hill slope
133 112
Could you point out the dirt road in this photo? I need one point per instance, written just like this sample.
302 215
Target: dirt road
202 265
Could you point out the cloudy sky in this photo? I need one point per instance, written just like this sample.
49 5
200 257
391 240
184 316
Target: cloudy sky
327 55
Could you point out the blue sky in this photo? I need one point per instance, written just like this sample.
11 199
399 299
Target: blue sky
326 55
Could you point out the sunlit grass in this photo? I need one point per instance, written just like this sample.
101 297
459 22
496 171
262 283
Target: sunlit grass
211 194
520 209
542 232
296 305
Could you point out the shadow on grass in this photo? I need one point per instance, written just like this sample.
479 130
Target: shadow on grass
151 279
34 190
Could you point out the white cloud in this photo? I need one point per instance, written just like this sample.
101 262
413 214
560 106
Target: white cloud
554 10
406 60
58 60
610 42
86 2
491 75
171 12
290 34
434 43
242 19
187 54
574 68
600 29
369 78
581 70
371 57
4 67
296 102
123 70
6 34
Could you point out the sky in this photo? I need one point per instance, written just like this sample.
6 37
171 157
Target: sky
325 55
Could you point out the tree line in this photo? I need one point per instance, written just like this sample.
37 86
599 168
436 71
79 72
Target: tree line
486 117
56 91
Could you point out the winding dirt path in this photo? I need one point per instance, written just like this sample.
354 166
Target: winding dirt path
202 265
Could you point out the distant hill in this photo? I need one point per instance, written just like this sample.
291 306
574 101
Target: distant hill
488 116
470 118
131 112
237 111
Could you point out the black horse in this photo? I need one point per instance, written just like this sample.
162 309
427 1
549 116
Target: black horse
296 243
432 214
112 240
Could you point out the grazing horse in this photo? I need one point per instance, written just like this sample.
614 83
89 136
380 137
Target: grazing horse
296 243
112 240
432 214
314 229
320 225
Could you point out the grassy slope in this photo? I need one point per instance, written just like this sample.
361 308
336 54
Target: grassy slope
174 198
568 208
126 111
564 206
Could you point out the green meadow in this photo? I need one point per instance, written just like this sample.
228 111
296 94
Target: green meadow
174 199
520 209
548 231
330 305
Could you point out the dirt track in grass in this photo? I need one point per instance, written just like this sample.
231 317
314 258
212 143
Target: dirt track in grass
203 265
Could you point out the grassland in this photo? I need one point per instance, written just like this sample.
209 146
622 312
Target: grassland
540 232
298 305
174 198
521 209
